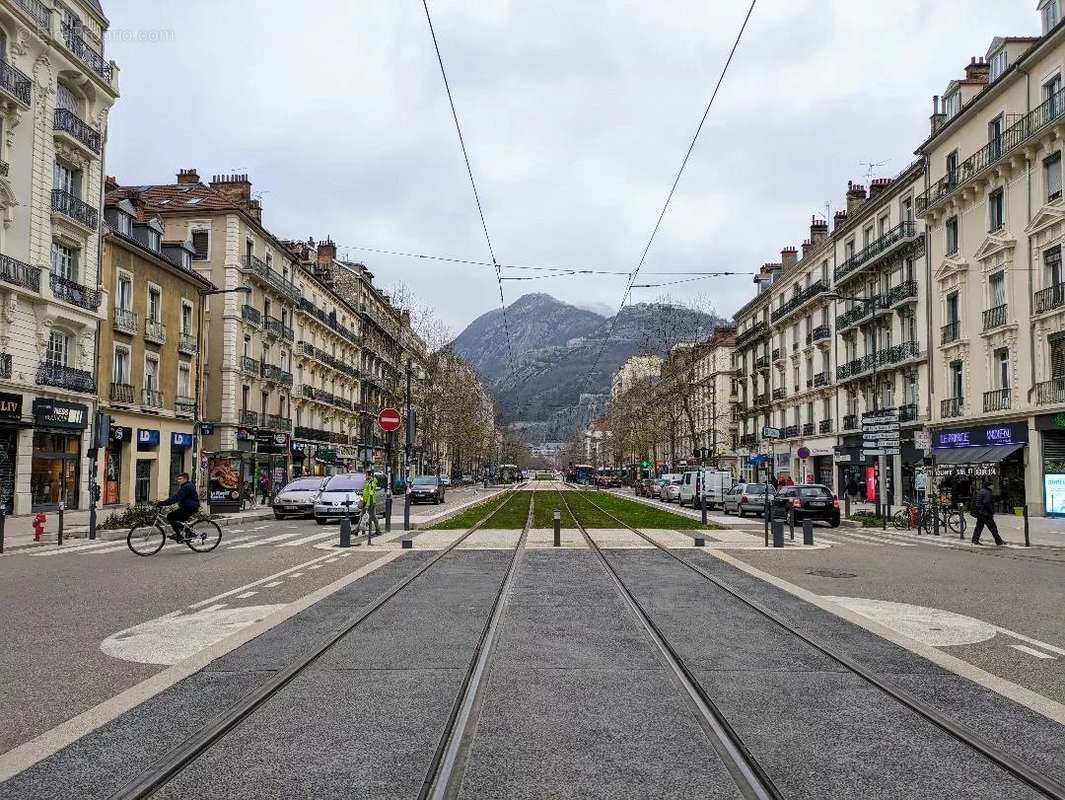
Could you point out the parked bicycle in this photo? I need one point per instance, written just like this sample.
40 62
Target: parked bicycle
203 536
913 515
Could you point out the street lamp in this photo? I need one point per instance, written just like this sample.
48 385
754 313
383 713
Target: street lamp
199 376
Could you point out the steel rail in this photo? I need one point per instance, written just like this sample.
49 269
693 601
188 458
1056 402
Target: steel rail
1014 766
166 768
750 776
443 777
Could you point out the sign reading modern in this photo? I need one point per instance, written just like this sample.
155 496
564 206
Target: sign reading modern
981 436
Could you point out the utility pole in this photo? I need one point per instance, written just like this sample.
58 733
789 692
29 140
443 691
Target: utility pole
408 435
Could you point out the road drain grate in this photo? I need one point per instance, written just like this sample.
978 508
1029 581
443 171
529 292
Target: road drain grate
831 573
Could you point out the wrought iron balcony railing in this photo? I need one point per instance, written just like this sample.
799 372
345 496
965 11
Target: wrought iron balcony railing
183 404
17 273
1050 392
824 426
187 344
75 208
901 233
790 432
5 366
125 321
249 365
897 353
276 327
802 298
995 317
908 413
819 333
273 278
762 362
822 379
249 419
15 82
151 398
251 314
154 331
808 429
907 290
952 407
779 393
277 423
85 53
66 121
777 354
39 12
121 393
850 422
5 169
74 293
76 380
755 332
997 400
1050 298
951 332
275 374
854 316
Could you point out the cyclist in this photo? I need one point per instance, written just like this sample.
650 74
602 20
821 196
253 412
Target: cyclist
369 508
188 503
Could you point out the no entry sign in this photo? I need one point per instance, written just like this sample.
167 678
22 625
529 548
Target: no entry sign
388 419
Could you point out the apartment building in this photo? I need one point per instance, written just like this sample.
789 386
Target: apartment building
996 217
711 400
52 133
751 358
636 369
149 356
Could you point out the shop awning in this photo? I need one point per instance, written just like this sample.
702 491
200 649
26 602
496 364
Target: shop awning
976 455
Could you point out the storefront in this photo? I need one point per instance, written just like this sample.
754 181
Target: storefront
963 458
813 462
56 462
1051 429
119 440
180 455
10 425
262 453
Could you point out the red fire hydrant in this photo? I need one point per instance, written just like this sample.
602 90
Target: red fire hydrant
38 526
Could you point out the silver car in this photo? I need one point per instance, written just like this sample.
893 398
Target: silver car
297 499
747 498
344 492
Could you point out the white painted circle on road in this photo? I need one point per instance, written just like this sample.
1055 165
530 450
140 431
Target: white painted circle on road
931 626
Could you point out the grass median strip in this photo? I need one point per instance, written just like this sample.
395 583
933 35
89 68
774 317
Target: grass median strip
631 513
547 503
468 517
510 514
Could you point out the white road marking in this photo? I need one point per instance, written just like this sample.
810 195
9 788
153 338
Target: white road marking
246 595
1030 640
72 549
308 539
931 626
883 539
256 542
282 574
1031 651
272 584
330 560
297 574
317 566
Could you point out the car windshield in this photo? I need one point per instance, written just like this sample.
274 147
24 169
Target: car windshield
814 492
755 488
304 485
345 483
425 480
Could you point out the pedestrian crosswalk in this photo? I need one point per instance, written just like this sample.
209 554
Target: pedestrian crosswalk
232 539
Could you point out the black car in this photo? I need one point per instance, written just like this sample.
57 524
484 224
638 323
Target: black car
807 501
643 487
427 488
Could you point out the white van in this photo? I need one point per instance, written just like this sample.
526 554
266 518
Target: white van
716 484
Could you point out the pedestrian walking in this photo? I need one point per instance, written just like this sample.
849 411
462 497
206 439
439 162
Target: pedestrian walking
264 486
982 507
369 508
852 487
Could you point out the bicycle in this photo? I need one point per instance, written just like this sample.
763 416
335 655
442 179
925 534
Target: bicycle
950 519
203 535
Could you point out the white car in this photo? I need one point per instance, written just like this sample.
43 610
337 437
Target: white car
297 499
344 492
445 480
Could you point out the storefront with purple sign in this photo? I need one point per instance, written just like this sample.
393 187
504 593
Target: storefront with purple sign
963 458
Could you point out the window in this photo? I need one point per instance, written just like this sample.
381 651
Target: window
1052 265
249 250
996 209
64 261
848 249
186 318
184 381
124 224
907 210
1052 176
244 398
1050 13
956 383
951 229
1002 368
120 371
246 352
867 236
1057 355
997 286
911 390
951 104
884 224
65 98
952 307
154 240
994 136
67 179
155 304
58 349
999 62
952 166
151 374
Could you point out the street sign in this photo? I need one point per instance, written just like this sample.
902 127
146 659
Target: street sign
770 433
645 464
207 428
922 440
803 452
388 419
886 451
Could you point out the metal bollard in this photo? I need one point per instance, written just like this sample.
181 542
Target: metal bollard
791 524
558 528
345 527
388 513
406 508
702 503
700 541
920 519
407 543
778 533
847 505
807 531
3 524
59 534
1027 541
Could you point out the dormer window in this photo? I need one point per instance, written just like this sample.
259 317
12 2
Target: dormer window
952 104
998 63
124 224
154 240
1051 13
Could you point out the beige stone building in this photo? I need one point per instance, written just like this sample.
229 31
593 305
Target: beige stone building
996 218
713 402
149 356
56 90
636 369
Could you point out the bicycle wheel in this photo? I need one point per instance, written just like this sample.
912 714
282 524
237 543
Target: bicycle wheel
956 522
901 520
204 536
146 540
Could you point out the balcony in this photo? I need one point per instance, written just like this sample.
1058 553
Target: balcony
824 426
951 332
154 331
314 434
908 413
39 12
70 124
340 402
121 393
748 440
125 321
995 317
5 366
330 320
898 353
185 405
272 278
761 400
250 365
15 83
85 53
802 298
855 367
1050 298
251 315
5 169
61 377
15 272
854 316
790 432
821 332
905 292
822 379
952 407
779 393
276 327
249 419
850 422
752 334
808 429
777 354
74 293
762 362
1050 392
891 240
276 375
997 400
276 423
187 344
75 208
151 398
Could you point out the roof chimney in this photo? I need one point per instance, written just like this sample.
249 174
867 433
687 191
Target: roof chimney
978 70
818 230
839 218
877 186
110 184
855 197
327 251
236 188
789 257
255 208
187 177
807 246
938 117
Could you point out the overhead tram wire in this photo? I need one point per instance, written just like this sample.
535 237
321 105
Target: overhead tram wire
473 183
673 188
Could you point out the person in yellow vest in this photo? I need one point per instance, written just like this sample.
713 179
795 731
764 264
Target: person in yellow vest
369 507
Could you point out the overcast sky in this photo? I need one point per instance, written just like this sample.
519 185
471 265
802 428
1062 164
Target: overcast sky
576 115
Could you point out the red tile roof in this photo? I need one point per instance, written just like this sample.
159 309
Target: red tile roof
157 199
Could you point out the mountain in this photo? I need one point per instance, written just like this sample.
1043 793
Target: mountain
564 357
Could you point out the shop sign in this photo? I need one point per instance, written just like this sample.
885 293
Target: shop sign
1054 487
988 470
10 406
328 456
149 437
224 483
982 436
120 434
181 440
263 436
244 434
57 414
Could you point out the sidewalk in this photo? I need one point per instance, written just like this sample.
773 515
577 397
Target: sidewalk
1041 530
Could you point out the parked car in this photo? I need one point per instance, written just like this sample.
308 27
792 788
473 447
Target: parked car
297 499
342 492
807 501
747 498
445 480
467 479
427 489
671 489
644 487
715 484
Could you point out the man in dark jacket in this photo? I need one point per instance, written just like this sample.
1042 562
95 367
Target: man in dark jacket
188 503
982 507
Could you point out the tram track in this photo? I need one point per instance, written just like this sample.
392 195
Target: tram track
1031 777
163 771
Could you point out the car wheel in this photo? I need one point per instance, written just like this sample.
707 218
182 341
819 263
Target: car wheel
742 513
834 522
278 516
320 521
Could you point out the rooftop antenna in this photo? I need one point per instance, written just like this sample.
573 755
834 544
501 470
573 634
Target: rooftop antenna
872 167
